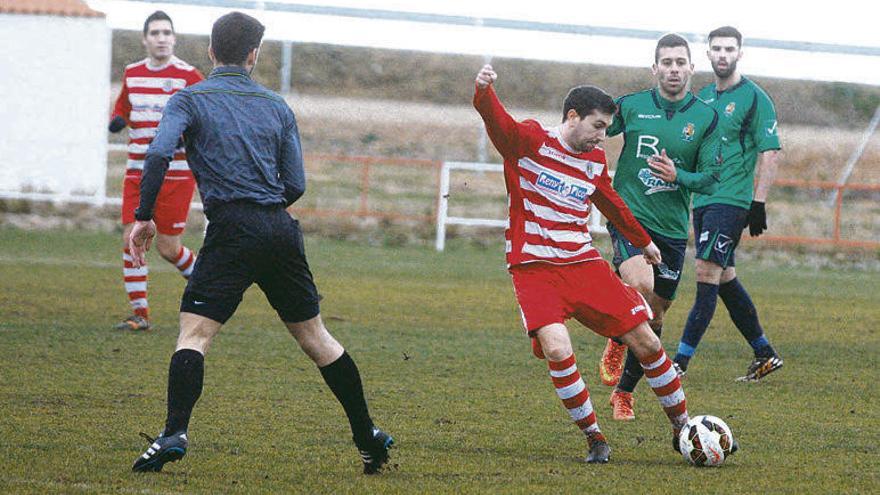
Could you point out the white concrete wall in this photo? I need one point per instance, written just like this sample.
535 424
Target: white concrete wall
54 89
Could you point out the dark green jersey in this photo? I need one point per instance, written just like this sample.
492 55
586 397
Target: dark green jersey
686 130
747 122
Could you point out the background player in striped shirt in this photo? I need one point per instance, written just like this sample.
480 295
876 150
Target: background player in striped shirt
747 122
146 87
670 126
552 177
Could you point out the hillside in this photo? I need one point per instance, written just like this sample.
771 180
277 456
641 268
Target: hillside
401 75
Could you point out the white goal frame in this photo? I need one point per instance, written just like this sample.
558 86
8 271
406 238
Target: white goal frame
443 219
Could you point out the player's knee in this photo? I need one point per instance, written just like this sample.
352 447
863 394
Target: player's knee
708 272
556 349
644 286
642 341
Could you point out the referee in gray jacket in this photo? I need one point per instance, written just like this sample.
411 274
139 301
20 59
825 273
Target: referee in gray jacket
243 147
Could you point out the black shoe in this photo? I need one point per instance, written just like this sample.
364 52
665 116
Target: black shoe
600 453
676 434
164 449
761 367
679 369
374 453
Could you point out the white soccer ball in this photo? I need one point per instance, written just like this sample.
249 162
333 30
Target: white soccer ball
706 441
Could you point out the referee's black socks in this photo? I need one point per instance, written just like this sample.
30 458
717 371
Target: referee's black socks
185 376
344 380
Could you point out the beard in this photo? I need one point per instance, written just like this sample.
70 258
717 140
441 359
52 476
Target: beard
725 72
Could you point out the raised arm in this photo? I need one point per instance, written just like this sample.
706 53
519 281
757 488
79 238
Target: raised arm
503 130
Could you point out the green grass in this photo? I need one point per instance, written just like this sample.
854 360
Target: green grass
446 368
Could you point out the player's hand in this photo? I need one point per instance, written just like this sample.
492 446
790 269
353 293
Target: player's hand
486 76
757 219
117 124
139 241
652 254
663 167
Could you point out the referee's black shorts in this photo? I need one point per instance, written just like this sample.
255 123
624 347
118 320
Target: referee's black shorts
248 243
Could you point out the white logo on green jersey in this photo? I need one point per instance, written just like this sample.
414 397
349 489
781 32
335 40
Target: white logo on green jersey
772 129
649 142
655 184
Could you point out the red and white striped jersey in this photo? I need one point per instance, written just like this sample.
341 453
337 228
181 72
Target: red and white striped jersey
145 91
551 189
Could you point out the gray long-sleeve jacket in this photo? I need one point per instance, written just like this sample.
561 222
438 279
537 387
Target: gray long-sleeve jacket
242 143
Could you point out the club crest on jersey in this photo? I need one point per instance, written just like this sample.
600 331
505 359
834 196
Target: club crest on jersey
168 85
687 134
729 109
655 184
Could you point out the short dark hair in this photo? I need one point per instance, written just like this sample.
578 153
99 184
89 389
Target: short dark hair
670 40
234 36
586 99
727 32
158 15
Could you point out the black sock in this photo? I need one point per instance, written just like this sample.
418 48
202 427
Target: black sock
632 369
344 380
745 316
185 375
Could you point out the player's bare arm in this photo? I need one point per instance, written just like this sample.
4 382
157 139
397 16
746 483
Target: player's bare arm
768 164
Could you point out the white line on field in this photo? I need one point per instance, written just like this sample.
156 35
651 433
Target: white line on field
25 260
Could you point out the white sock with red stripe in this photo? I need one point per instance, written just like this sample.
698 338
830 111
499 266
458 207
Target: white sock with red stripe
135 285
185 261
570 387
664 381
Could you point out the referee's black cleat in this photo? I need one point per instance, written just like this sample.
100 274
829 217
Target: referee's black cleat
600 453
163 449
374 452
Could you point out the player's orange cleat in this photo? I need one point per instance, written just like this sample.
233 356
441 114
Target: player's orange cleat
134 322
622 406
611 365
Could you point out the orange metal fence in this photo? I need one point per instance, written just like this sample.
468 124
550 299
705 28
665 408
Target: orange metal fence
836 239
370 164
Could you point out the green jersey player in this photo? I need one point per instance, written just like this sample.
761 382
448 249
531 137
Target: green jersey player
671 148
747 123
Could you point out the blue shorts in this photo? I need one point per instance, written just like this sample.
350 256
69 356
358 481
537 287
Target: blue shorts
717 230
668 273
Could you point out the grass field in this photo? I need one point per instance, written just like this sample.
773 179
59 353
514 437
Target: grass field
447 371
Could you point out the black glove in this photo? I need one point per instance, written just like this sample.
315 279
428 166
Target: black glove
117 124
757 219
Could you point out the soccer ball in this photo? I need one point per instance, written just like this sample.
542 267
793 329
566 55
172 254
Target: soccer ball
706 441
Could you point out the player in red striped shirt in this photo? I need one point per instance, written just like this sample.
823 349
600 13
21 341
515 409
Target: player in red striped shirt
146 87
552 177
